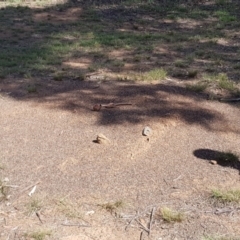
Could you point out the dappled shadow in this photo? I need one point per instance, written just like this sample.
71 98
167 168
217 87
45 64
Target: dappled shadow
225 159
156 103
51 54
39 42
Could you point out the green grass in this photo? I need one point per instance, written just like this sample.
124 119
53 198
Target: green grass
226 196
181 64
198 87
221 80
225 83
225 16
171 216
31 88
39 47
155 74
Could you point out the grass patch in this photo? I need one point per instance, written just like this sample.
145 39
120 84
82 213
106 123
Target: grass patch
225 16
96 33
155 74
39 235
69 209
112 207
222 81
117 63
171 216
35 205
31 88
226 196
181 64
58 76
225 83
198 87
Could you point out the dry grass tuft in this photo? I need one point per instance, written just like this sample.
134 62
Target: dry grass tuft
226 196
38 235
171 216
112 207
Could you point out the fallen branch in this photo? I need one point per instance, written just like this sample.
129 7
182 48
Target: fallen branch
143 227
134 218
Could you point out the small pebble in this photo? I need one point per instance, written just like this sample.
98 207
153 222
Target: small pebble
89 212
101 139
147 131
213 162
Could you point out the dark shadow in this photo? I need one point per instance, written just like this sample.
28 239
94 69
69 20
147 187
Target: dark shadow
225 159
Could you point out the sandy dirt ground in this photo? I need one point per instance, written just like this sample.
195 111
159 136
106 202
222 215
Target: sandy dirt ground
47 141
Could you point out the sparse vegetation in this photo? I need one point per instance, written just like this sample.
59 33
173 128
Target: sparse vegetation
220 80
69 209
49 47
34 205
171 216
198 87
58 76
224 16
225 83
181 64
155 74
220 238
112 207
91 35
39 235
226 196
31 88
4 191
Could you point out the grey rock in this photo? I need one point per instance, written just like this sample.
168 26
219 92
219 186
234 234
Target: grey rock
147 131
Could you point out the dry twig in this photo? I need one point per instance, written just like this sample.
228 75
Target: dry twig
38 215
151 219
142 226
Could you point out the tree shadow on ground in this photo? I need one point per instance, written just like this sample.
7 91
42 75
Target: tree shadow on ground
225 159
120 38
49 52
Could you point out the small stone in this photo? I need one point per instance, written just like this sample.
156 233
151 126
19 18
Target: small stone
101 139
89 212
147 131
213 162
6 179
